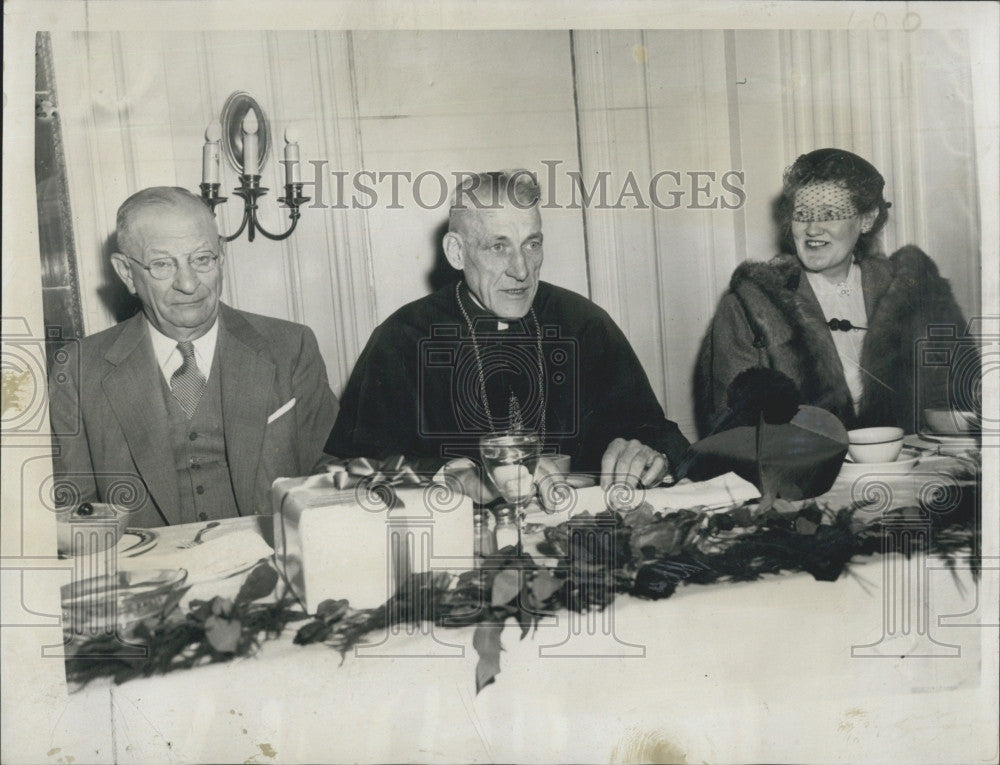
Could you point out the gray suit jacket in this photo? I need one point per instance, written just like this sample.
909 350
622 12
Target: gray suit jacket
111 431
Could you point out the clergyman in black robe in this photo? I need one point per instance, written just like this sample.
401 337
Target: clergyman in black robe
500 350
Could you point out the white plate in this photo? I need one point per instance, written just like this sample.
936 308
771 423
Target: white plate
948 440
136 541
904 463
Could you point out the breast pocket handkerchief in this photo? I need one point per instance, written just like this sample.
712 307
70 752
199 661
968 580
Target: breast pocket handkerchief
281 410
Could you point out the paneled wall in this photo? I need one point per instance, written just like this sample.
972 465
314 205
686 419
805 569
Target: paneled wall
901 100
655 103
702 103
135 108
713 116
442 103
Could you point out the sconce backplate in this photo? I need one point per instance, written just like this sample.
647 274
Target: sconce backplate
237 107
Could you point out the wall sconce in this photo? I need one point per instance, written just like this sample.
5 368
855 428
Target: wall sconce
245 137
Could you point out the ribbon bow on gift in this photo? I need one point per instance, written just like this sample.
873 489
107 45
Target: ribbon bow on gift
399 471
393 471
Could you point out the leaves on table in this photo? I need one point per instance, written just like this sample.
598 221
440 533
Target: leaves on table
209 631
259 584
486 641
316 631
506 586
223 634
544 584
173 600
659 578
644 553
331 611
221 607
667 537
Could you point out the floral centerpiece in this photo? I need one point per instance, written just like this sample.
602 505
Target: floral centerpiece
598 558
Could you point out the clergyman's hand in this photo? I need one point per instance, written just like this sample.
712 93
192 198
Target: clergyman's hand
632 463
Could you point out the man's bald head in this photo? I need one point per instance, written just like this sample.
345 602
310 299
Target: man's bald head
171 233
491 191
153 200
495 238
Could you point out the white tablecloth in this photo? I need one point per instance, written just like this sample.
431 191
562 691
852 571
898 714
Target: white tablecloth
740 672
785 669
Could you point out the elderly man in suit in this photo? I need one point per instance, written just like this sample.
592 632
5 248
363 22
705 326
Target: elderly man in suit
189 410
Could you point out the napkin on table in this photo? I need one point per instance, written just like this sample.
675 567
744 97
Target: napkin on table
721 491
214 558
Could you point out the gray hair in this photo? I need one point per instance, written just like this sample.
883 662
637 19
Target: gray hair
491 191
169 197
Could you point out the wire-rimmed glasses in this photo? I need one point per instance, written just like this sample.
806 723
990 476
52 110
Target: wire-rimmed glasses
165 268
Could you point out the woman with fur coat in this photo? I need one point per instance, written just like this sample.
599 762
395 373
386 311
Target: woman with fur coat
842 322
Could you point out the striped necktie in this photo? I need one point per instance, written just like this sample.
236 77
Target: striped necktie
187 383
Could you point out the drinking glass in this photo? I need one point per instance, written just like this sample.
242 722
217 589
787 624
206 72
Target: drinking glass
509 460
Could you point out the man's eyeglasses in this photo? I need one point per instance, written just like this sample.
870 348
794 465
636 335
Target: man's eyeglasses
165 268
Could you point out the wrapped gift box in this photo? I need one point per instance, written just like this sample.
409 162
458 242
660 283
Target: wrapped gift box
359 543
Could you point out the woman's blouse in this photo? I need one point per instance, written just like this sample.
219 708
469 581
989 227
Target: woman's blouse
845 300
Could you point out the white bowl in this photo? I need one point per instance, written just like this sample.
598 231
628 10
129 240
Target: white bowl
875 444
951 422
904 463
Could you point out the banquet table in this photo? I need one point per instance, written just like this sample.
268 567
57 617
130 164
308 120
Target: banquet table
785 668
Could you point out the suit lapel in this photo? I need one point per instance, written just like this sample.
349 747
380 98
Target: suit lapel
247 379
134 391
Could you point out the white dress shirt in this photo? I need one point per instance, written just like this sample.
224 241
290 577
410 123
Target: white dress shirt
168 356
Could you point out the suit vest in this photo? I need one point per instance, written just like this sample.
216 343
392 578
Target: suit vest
198 445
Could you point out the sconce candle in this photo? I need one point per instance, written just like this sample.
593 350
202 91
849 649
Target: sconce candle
292 172
246 141
250 144
210 154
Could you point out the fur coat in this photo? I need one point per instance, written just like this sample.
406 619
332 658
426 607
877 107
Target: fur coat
770 318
